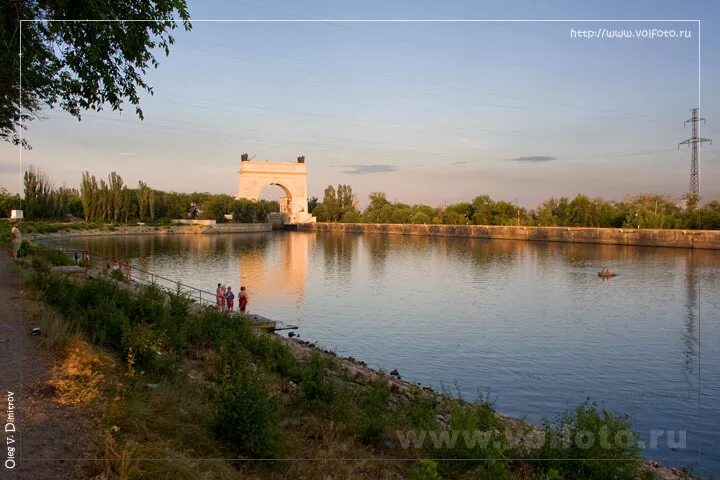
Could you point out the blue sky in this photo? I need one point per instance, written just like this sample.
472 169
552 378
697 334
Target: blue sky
427 112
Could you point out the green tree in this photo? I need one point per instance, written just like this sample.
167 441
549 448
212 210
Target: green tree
312 204
8 202
553 212
345 199
117 196
143 199
243 210
79 65
214 209
482 210
88 195
328 210
422 214
331 208
401 213
706 217
652 211
66 201
458 214
38 194
579 212
506 213
103 197
378 210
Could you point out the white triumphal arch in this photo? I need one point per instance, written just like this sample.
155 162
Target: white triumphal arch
291 177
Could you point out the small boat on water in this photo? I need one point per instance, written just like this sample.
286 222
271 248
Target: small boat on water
606 272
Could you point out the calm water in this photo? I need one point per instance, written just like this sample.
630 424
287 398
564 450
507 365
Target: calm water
529 324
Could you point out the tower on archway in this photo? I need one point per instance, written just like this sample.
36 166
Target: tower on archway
290 176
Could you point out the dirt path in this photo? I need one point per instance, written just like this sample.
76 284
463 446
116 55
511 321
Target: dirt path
51 441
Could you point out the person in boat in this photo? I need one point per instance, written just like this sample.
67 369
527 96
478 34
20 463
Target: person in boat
243 300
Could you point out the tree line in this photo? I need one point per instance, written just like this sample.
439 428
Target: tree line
110 200
639 211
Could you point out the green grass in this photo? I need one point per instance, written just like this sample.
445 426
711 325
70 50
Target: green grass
53 227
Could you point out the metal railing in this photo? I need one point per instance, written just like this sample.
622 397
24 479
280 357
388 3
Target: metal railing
204 298
92 260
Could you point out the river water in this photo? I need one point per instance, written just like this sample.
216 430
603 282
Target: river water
528 324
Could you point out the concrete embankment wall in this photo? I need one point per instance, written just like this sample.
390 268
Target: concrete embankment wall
170 230
705 239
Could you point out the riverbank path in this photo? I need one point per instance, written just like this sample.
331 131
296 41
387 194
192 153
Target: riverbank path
50 441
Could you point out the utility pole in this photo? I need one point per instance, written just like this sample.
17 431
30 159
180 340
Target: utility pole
693 141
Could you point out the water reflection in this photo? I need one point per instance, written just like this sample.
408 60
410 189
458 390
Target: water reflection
338 256
690 335
282 270
531 322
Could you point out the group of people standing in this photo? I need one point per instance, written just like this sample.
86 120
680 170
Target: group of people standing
226 298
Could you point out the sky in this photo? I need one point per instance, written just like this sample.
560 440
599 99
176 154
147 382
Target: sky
427 112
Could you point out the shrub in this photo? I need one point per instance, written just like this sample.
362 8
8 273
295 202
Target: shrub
105 323
374 412
426 470
144 342
206 328
475 435
149 305
24 249
175 323
318 391
275 355
118 276
246 417
419 412
568 439
41 268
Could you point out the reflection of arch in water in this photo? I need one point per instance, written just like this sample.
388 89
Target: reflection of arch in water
281 271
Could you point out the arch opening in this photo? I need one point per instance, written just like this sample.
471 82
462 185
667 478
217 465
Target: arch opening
279 193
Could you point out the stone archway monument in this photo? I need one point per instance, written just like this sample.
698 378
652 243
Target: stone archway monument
290 176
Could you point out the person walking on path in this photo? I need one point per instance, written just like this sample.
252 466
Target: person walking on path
16 237
220 297
243 301
230 297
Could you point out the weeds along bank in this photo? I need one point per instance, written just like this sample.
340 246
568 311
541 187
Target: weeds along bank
181 385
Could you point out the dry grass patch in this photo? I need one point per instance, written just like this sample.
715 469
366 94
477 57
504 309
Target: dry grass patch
79 377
